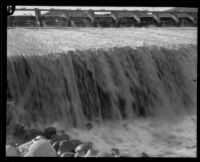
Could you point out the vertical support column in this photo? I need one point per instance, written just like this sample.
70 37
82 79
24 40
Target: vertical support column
195 16
175 18
92 17
38 16
191 18
137 17
115 17
156 17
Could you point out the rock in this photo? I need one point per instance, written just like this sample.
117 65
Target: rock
77 155
75 142
48 132
40 148
65 146
85 146
67 154
54 138
12 151
143 154
60 137
51 141
64 137
82 149
39 138
56 145
23 148
115 152
91 153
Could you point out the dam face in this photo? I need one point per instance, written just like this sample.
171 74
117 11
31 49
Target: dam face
119 83
83 75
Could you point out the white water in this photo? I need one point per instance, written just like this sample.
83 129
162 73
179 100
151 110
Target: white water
156 138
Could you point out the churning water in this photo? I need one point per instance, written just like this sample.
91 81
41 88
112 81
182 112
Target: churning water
115 89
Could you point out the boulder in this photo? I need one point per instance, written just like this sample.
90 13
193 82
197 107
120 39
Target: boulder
50 131
65 146
51 141
23 148
56 145
75 142
11 151
64 137
40 137
55 137
60 137
84 147
40 148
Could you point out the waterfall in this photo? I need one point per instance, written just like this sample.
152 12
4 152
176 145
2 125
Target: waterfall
106 84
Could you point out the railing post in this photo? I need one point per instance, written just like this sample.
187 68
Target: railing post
92 17
115 17
156 17
175 18
38 17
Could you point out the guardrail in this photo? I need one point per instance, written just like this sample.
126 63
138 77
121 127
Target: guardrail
71 18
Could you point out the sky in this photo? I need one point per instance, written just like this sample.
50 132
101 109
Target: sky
85 8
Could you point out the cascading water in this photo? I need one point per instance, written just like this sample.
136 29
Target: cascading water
113 84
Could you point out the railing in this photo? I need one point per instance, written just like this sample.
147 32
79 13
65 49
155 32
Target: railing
113 14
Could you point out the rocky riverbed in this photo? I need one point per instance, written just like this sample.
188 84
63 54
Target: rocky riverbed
52 143
147 138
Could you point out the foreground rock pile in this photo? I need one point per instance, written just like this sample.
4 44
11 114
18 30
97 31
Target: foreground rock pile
51 143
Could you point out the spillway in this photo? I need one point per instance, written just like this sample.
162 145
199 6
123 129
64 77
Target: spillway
102 76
